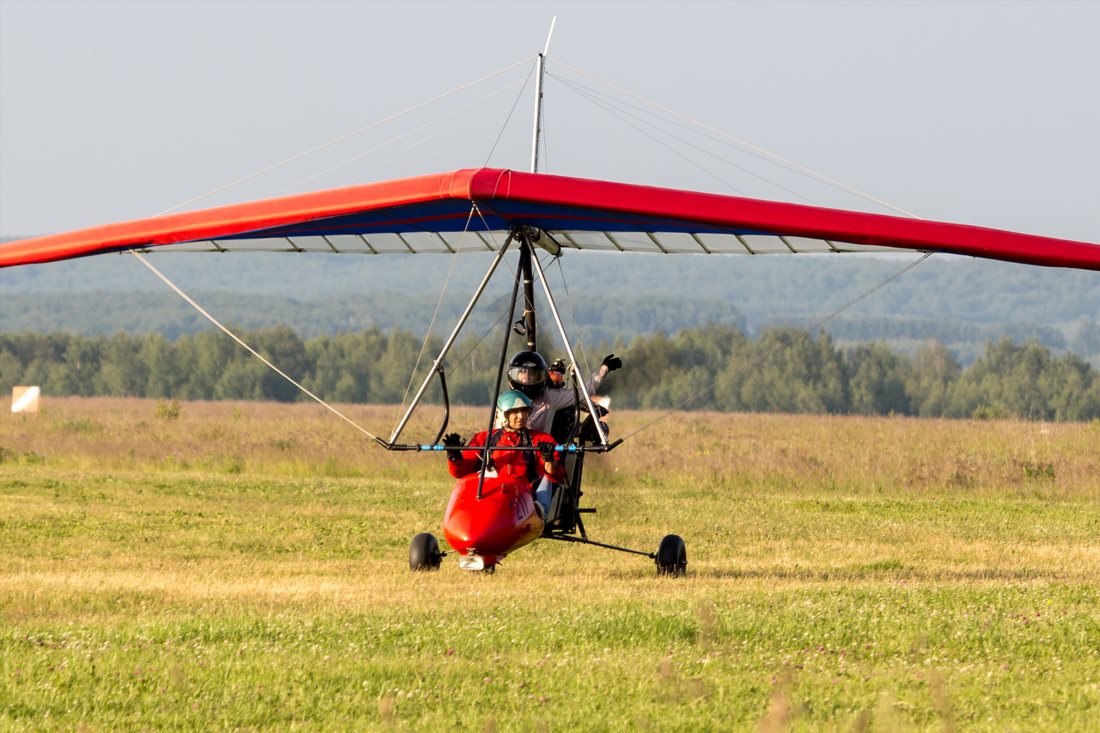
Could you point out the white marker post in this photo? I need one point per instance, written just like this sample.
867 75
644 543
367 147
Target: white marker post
25 399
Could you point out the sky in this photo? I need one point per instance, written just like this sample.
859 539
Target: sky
982 112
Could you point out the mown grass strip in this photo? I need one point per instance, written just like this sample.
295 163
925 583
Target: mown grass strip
831 586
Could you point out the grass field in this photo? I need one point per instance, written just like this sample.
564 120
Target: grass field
244 566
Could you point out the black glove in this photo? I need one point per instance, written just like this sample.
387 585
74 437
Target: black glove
612 362
546 450
453 441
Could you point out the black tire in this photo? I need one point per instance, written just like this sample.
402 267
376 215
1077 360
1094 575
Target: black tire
424 552
672 556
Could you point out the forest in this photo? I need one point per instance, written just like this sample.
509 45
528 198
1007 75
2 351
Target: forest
716 367
962 303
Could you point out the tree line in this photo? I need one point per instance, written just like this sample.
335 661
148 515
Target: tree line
787 371
716 367
961 302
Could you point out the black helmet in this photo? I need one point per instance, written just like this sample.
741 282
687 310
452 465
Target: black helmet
527 373
557 374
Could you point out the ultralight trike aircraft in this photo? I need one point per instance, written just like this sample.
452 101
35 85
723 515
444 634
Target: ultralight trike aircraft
540 217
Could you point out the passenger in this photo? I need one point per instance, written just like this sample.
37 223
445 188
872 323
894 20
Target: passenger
540 469
561 421
556 374
528 373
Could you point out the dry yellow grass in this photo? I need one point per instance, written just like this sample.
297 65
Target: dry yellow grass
845 572
860 453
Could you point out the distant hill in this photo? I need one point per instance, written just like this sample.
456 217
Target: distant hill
962 302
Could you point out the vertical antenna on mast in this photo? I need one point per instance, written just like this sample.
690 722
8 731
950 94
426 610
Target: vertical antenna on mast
538 99
527 325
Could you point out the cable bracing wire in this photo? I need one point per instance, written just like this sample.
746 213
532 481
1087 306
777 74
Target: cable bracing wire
508 118
347 135
610 101
419 141
662 143
435 313
745 144
462 359
178 291
695 130
496 245
782 345
485 335
759 152
545 159
573 316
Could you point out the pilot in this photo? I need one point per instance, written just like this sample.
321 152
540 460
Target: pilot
528 373
540 468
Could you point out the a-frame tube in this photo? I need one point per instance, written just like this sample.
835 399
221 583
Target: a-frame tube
451 339
569 350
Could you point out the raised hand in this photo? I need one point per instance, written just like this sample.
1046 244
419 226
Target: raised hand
453 441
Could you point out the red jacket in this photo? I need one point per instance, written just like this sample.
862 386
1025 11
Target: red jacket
528 464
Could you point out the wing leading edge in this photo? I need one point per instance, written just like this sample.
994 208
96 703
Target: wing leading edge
436 213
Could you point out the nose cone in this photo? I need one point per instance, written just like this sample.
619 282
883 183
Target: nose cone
502 520
470 523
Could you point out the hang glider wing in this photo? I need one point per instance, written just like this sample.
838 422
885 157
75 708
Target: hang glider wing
473 209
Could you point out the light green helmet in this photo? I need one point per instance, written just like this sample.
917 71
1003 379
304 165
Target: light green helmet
513 399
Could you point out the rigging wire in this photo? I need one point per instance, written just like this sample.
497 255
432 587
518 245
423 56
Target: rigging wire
804 332
485 335
573 316
496 245
435 313
346 136
759 152
610 101
609 107
782 345
462 360
620 104
666 146
545 144
744 143
544 158
508 118
419 141
178 291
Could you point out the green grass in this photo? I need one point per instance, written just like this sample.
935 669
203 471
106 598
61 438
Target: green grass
245 567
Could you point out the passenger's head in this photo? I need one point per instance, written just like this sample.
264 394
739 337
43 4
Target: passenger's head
556 373
527 373
513 409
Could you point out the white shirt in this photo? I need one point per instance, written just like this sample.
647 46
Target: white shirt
552 399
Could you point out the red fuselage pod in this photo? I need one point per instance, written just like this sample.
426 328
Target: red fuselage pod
501 521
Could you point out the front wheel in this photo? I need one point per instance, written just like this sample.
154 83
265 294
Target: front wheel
424 552
672 556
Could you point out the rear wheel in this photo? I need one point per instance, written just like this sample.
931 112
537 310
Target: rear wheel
672 557
424 552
